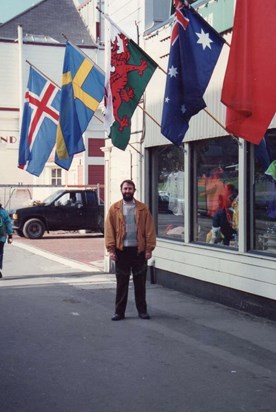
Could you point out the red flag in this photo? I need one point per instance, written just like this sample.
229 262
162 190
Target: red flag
249 88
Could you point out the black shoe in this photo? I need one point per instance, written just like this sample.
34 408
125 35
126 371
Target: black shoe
118 317
1 275
144 315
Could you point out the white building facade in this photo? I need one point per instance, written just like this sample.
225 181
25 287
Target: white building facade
18 187
183 185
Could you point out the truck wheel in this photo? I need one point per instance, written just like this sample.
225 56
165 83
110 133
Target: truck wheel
33 229
101 224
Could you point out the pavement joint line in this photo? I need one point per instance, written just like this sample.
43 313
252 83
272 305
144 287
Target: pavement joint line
65 261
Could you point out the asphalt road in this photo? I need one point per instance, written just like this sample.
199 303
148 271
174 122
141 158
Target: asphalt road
60 352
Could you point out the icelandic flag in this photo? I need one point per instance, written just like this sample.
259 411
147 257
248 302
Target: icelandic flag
195 49
39 124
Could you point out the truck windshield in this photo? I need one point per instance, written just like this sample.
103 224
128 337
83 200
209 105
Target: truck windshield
52 197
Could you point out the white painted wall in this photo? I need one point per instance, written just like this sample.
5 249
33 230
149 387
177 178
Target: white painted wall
242 271
49 60
128 164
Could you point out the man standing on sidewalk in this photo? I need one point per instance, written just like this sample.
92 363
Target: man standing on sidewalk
130 239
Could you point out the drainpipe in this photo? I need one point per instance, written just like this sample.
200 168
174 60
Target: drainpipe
142 195
20 65
152 272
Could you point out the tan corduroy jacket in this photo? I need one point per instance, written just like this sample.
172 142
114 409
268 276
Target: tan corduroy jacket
115 228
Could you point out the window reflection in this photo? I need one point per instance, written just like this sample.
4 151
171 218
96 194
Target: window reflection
170 192
216 192
265 194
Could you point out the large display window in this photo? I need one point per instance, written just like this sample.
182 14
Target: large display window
263 195
216 192
214 188
169 195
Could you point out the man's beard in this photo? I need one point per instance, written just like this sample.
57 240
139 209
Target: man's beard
128 197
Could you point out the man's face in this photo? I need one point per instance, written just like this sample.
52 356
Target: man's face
127 192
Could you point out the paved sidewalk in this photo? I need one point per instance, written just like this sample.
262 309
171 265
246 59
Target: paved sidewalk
84 248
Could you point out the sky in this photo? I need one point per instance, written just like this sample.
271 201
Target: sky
10 8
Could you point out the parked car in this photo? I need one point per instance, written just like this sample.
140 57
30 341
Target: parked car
63 210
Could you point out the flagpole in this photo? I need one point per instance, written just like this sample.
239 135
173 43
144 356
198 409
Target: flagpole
110 21
159 67
20 59
100 120
82 52
27 61
202 18
218 122
44 75
149 115
121 31
206 111
164 71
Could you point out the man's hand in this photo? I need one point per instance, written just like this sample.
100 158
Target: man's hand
10 239
148 255
112 255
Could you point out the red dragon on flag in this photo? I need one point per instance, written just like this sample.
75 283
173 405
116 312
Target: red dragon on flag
121 90
128 73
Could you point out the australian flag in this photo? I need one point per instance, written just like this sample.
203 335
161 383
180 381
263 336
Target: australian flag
39 124
195 49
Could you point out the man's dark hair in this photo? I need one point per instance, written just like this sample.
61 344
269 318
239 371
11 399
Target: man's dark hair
129 182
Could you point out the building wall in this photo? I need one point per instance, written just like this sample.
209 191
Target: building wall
239 270
93 19
14 72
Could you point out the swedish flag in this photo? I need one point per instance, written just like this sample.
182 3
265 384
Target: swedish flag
81 93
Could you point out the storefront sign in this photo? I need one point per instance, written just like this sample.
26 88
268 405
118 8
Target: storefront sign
9 138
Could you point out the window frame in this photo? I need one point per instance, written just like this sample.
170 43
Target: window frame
56 180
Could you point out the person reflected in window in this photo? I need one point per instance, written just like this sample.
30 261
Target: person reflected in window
214 190
223 218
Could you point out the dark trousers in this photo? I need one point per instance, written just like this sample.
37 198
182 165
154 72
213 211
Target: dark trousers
1 253
129 261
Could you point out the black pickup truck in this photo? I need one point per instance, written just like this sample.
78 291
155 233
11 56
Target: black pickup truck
63 210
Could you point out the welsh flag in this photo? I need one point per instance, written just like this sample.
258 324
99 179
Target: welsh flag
128 71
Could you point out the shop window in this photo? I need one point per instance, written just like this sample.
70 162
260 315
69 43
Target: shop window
56 177
215 192
264 195
169 195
